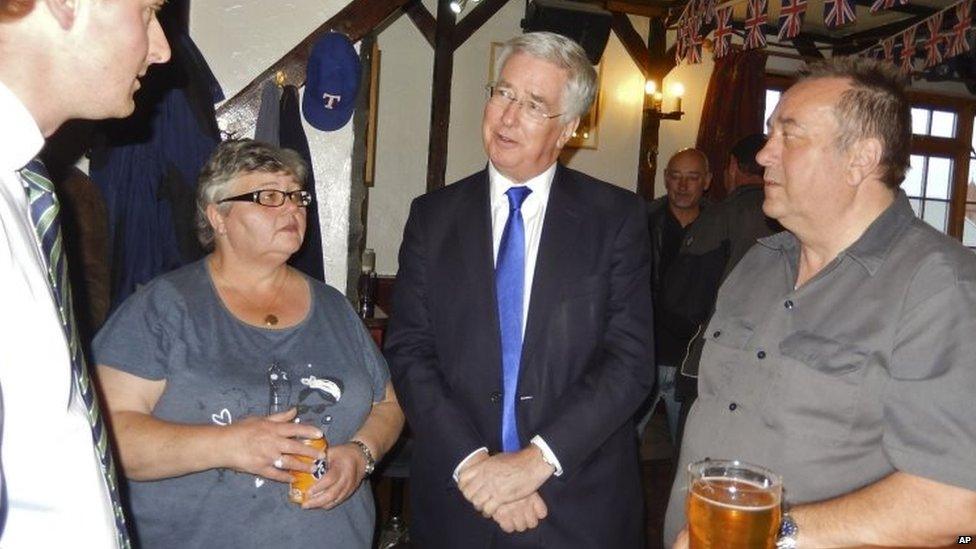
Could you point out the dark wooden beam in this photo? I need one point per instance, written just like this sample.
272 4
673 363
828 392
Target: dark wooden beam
475 19
635 8
633 43
909 9
858 41
440 103
806 47
422 19
238 114
661 61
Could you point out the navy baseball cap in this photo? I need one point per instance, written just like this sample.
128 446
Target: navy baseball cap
331 82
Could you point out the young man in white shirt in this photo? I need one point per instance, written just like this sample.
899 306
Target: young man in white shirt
59 60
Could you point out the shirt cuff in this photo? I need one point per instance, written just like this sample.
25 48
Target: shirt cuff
457 470
547 455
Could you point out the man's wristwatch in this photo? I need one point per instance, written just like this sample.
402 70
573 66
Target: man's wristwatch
370 462
788 532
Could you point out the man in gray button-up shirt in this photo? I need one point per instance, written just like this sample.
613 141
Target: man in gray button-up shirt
842 353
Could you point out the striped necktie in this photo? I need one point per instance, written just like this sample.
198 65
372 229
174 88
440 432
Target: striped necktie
44 214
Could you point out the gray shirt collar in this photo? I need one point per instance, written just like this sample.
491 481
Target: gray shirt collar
871 249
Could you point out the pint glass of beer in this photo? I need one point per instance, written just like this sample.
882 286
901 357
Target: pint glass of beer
301 481
733 505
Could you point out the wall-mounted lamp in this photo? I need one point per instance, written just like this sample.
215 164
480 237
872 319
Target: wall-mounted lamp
676 90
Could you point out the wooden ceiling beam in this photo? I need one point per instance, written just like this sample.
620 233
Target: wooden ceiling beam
237 115
633 43
422 19
474 20
908 9
656 9
858 41
806 47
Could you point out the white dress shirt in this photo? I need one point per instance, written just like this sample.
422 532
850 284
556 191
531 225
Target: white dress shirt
56 495
533 214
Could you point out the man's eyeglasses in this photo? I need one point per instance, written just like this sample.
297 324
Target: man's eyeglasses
272 198
502 97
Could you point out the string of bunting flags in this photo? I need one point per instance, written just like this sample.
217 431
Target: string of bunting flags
942 35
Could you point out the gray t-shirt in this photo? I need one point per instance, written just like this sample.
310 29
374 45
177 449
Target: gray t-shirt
865 370
216 369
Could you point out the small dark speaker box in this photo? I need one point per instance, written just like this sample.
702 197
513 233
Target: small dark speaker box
587 24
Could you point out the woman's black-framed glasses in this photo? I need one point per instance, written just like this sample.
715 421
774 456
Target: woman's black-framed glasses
272 198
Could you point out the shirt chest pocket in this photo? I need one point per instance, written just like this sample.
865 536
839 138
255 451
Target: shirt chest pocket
814 393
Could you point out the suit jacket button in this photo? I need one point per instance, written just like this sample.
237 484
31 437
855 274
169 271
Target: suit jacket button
495 396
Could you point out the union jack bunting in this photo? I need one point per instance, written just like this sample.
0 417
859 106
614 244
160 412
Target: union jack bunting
723 32
838 13
933 55
709 14
679 45
879 5
693 44
957 35
755 20
888 48
907 50
791 18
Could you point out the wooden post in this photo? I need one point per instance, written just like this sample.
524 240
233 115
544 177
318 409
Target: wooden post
651 124
440 103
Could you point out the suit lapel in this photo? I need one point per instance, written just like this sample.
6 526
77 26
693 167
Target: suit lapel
475 252
559 231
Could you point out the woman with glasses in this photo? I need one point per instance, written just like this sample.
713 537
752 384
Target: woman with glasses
217 375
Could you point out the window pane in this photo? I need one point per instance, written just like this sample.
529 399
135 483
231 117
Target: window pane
973 143
772 99
916 206
969 226
920 121
935 214
939 173
971 191
943 124
913 179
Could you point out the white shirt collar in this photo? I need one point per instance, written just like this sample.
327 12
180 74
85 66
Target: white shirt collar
20 138
540 185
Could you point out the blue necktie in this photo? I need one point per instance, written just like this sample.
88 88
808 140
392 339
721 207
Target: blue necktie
44 210
510 289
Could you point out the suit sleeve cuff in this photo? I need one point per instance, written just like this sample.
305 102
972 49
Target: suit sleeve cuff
547 454
457 470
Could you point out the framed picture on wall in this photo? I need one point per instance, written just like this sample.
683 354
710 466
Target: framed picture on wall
588 133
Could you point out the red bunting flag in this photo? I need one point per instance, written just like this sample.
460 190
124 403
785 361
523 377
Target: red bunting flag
907 51
791 18
755 20
933 55
838 13
888 47
693 49
723 32
957 35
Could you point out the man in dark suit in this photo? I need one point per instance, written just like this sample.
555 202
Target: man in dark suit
520 339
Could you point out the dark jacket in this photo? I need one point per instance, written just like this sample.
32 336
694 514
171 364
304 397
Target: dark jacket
585 361
715 244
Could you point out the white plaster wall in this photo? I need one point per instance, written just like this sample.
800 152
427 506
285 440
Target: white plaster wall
679 134
404 120
241 38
